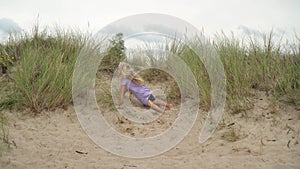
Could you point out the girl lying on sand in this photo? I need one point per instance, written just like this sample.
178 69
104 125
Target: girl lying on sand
134 83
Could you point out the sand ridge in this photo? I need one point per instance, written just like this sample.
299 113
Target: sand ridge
267 137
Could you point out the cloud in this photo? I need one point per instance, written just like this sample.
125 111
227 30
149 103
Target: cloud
8 26
250 31
276 32
159 28
114 29
148 27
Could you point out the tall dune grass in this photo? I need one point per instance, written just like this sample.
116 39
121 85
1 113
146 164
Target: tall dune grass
250 65
43 68
260 64
257 64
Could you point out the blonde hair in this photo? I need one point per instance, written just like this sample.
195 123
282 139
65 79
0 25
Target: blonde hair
126 71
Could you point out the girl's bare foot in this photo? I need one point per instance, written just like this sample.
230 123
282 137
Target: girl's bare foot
169 106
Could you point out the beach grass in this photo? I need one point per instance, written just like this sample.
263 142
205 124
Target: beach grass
42 68
41 64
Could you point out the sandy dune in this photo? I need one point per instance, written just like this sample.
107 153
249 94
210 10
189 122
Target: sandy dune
264 137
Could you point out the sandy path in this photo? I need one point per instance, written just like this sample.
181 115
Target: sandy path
267 138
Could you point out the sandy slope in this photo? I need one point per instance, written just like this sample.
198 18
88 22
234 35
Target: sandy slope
265 137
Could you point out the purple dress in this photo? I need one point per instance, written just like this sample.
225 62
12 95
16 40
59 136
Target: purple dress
141 92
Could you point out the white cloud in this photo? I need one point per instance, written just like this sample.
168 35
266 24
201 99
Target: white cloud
211 15
8 26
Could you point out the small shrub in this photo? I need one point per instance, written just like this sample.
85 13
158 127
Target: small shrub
114 55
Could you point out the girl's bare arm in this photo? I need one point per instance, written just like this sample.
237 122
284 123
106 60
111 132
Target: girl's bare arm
123 91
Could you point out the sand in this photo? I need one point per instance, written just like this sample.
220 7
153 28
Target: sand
266 136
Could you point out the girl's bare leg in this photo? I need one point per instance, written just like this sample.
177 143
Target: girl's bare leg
159 102
162 103
155 107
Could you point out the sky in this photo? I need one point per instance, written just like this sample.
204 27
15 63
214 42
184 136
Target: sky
211 16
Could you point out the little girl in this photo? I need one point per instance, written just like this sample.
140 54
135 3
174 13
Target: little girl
134 83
